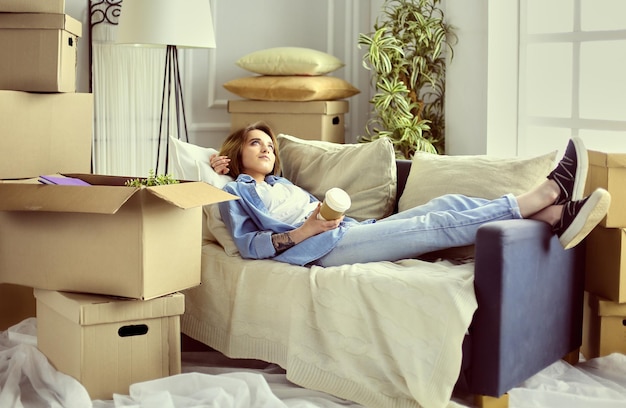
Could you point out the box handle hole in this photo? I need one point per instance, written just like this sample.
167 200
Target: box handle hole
133 330
336 120
70 42
624 322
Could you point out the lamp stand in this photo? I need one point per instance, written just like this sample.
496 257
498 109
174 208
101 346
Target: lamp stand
171 78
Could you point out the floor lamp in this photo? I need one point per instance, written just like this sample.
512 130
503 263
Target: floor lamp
172 24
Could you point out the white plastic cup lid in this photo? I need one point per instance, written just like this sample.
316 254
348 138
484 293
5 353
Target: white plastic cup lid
338 200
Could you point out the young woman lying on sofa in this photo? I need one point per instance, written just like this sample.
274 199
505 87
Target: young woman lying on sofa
277 220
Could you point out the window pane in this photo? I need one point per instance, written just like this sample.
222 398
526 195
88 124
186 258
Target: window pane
552 16
602 84
604 140
541 139
601 15
549 80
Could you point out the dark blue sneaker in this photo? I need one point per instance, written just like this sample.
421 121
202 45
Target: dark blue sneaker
571 172
580 217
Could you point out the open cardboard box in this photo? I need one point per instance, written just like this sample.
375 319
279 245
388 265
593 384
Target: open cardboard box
105 238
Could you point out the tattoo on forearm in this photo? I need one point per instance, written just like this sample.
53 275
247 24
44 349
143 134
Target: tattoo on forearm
282 242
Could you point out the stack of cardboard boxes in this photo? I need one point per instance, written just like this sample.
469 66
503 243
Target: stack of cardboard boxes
39 132
604 328
106 261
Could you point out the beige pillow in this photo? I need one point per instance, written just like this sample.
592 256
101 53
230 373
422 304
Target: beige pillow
291 88
483 176
289 61
367 171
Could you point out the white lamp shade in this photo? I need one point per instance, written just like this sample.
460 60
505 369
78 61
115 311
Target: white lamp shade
183 23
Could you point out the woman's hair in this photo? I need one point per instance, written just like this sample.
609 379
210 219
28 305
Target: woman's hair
233 145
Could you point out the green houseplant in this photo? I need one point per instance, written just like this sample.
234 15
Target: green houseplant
407 54
151 180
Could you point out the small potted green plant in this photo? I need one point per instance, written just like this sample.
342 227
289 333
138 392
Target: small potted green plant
151 180
407 53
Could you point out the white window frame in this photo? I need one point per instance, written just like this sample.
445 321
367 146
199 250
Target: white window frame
575 123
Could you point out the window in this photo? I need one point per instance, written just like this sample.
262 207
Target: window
572 79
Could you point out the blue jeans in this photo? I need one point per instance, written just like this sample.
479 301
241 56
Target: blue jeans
444 222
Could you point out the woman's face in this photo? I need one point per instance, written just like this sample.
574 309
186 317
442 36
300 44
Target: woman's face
257 155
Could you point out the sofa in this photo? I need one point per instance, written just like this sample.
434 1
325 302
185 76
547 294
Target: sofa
529 292
520 293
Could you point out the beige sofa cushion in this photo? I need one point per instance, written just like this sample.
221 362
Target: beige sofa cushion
366 171
482 176
291 88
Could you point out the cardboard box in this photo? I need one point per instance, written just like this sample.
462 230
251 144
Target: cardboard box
605 271
32 6
604 327
16 304
316 120
39 52
45 133
104 238
608 170
108 343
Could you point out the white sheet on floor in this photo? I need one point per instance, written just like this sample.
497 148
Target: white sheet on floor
229 390
28 380
597 383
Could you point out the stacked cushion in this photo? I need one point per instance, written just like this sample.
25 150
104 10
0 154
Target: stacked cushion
290 74
289 61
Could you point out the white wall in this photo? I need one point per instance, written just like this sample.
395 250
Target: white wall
481 84
328 25
333 26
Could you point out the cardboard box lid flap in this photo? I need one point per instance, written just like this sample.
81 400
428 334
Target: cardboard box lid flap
194 194
86 309
54 198
105 195
186 194
41 21
604 159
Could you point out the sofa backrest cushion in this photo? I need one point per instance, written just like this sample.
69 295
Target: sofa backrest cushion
482 176
366 171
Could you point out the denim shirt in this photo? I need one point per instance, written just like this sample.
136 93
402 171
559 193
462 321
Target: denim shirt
251 226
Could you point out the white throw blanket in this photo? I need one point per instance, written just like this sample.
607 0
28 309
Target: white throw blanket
382 334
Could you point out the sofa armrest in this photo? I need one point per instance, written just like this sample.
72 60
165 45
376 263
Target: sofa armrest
530 301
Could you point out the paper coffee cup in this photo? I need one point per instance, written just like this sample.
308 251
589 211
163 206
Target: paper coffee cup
336 202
